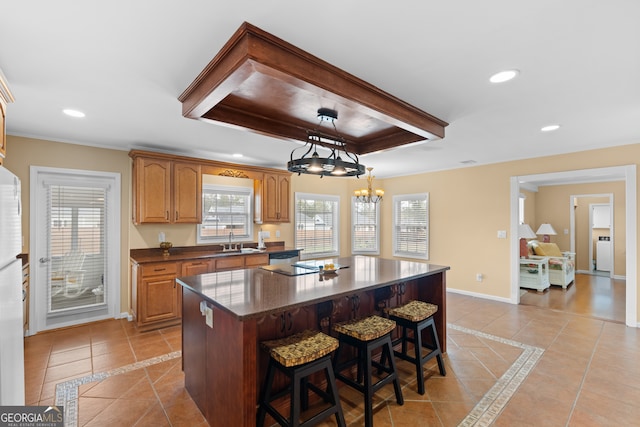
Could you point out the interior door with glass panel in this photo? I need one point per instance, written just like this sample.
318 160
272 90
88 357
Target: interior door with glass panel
72 236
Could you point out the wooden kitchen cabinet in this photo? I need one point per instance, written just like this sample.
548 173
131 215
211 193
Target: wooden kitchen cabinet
256 260
3 135
276 197
5 98
165 191
187 193
192 268
156 298
237 262
229 263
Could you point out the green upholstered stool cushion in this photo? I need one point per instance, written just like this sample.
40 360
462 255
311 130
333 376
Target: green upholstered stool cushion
301 348
366 329
413 311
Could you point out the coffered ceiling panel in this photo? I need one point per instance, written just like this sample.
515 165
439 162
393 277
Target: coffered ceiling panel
266 85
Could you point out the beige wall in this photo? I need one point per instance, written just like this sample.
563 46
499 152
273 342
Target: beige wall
467 206
529 208
554 204
22 153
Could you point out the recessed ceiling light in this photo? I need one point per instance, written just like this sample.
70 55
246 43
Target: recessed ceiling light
504 76
73 113
237 155
550 128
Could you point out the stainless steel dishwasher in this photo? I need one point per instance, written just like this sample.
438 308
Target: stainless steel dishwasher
286 257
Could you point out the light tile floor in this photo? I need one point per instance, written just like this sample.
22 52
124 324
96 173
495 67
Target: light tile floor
506 365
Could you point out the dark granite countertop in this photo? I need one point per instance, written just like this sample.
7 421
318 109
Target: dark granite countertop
256 292
141 256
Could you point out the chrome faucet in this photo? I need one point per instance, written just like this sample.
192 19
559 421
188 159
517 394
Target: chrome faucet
231 247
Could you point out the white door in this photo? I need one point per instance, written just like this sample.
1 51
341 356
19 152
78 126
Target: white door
76 239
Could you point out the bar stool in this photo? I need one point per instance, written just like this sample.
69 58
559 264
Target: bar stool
299 356
417 316
367 335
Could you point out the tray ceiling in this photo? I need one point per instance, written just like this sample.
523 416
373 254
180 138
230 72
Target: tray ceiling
263 84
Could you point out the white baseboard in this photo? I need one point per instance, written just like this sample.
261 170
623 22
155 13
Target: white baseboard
125 315
479 295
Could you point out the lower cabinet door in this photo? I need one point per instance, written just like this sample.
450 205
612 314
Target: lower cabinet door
159 299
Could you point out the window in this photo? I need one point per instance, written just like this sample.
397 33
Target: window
226 212
316 225
411 225
365 228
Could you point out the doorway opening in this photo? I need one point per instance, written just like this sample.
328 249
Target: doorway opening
75 240
621 173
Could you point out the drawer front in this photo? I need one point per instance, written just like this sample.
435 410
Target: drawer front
256 260
159 268
229 263
191 268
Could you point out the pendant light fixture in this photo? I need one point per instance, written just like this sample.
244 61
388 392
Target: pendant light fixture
332 165
367 195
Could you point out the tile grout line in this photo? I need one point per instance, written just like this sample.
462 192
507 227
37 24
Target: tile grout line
67 392
494 401
483 414
586 372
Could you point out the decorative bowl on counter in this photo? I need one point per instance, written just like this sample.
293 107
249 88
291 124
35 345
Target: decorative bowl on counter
165 247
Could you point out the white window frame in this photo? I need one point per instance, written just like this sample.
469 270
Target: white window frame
244 191
335 247
371 251
397 200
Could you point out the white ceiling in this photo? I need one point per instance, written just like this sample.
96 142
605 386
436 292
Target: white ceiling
124 63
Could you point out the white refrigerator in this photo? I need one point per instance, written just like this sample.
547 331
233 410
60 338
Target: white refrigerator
11 316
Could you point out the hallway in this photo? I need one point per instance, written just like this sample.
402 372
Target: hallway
590 295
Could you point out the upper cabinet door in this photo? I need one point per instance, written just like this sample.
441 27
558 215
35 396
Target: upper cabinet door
276 198
5 98
3 136
601 216
152 191
187 192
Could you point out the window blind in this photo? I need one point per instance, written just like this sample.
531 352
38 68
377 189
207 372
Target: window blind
76 246
365 236
411 225
316 225
225 210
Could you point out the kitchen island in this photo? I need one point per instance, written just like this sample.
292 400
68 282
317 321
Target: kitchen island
227 314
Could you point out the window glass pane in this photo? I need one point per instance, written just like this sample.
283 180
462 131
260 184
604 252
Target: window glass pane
76 247
365 237
316 225
411 225
225 211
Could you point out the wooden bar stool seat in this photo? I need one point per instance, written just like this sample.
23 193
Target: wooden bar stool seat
299 356
417 316
367 335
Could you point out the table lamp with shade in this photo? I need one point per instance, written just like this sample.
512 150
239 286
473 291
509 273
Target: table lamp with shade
525 232
546 230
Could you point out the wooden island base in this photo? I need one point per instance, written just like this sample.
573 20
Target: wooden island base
224 365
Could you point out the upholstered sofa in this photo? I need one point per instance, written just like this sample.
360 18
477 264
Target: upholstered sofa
562 264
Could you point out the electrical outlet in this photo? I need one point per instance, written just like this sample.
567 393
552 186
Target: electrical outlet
479 277
266 234
277 233
502 234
